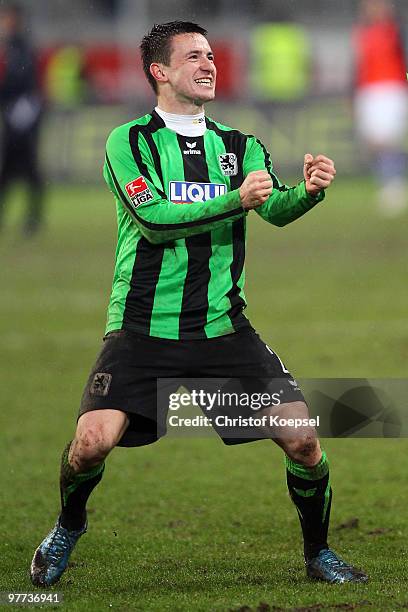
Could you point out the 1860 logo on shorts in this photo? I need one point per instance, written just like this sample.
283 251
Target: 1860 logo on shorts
138 191
100 384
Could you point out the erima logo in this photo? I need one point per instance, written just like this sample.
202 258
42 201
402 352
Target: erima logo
182 193
191 149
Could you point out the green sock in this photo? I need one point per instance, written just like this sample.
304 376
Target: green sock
75 490
310 491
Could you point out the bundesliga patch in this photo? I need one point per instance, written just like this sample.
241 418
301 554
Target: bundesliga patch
100 384
181 192
138 191
229 164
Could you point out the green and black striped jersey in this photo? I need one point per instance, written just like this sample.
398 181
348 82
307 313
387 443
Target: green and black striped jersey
179 269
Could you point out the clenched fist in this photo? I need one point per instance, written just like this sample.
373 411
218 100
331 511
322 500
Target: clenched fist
319 173
256 189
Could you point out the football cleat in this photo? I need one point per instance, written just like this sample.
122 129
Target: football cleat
51 557
329 567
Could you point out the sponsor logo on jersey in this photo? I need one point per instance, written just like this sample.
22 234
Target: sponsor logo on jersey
181 192
138 191
198 121
228 163
191 150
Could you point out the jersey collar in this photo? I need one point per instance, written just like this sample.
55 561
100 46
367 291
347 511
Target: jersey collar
185 125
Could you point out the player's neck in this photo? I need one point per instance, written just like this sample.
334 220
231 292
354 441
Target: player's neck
175 106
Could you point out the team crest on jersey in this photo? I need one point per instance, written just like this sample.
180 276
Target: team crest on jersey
229 164
182 192
138 191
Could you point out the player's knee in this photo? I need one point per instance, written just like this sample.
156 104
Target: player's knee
303 450
94 444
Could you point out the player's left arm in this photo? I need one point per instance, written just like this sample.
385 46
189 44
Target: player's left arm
286 204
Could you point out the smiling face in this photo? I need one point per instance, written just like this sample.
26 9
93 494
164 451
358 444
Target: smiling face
189 80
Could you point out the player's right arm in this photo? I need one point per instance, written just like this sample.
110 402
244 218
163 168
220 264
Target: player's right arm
139 188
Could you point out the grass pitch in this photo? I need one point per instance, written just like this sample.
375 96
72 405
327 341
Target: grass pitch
188 524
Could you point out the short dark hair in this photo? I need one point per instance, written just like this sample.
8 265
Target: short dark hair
156 45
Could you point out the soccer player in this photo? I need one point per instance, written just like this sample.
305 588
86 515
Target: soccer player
183 186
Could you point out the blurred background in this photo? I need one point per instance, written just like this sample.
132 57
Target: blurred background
286 71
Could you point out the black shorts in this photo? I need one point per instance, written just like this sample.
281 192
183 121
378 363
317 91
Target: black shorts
125 375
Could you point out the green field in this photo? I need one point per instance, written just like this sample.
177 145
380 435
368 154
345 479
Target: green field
189 524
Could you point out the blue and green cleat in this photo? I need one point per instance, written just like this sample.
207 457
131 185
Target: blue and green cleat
327 566
51 557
